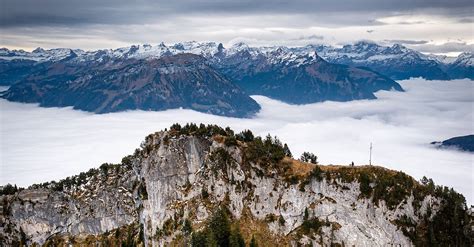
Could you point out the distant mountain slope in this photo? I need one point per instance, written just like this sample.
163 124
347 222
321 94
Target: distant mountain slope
294 75
297 77
102 85
396 62
463 66
13 71
465 143
16 65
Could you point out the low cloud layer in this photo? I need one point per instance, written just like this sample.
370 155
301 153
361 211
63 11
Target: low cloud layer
446 47
41 144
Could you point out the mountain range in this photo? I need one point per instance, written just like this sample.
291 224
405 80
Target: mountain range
201 76
211 78
397 61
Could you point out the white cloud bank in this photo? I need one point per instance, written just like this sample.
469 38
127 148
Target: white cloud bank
42 144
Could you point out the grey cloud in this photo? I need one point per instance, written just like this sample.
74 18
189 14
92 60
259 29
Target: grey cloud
67 13
310 37
408 42
379 22
410 22
466 20
74 12
446 47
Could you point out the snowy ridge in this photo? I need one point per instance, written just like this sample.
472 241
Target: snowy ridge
465 59
39 54
442 58
210 50
368 51
363 51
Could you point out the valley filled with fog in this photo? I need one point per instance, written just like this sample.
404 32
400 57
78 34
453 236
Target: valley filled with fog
42 144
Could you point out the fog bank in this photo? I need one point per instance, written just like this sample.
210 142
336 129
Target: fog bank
41 144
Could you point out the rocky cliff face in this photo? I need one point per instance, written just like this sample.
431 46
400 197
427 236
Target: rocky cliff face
187 174
92 203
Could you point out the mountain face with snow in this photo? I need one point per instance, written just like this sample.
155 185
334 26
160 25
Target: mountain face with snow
183 80
399 62
298 76
194 184
463 66
101 81
396 62
17 64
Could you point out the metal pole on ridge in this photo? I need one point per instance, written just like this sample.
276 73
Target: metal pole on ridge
370 154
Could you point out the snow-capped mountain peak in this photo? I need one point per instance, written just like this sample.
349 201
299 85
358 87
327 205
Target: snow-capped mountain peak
397 48
38 50
363 53
39 54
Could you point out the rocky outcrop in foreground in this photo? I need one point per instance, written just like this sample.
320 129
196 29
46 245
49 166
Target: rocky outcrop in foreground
206 186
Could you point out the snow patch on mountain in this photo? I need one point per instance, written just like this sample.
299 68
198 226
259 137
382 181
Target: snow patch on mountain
359 52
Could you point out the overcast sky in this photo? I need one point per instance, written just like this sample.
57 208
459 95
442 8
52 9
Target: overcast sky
428 25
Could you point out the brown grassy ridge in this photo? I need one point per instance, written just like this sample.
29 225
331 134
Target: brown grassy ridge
301 168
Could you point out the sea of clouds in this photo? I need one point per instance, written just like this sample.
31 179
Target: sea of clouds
42 144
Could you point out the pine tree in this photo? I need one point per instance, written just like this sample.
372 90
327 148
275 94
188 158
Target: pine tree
281 220
198 239
306 214
187 227
236 239
309 157
287 151
220 226
253 242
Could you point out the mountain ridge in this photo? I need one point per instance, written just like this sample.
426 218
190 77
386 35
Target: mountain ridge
463 143
362 53
100 81
171 189
182 80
